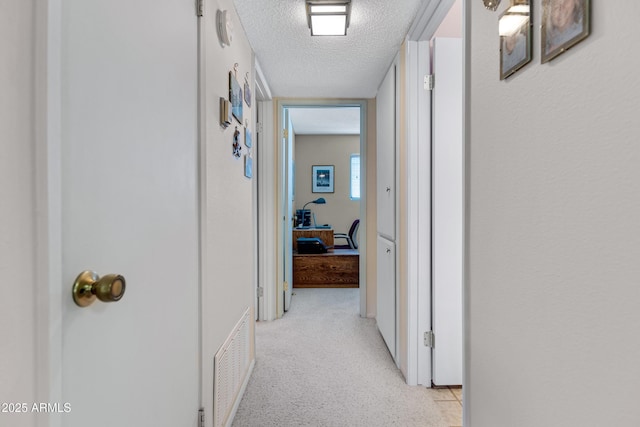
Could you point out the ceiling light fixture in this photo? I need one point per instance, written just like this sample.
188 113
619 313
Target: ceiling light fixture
328 17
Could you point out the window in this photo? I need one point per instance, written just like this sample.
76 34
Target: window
355 177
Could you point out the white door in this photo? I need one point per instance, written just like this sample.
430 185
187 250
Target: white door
386 295
287 192
447 208
386 307
386 155
130 206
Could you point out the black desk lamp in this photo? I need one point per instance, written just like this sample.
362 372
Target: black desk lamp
303 216
318 201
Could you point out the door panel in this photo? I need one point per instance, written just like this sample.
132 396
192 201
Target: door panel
447 212
386 313
386 294
129 206
386 155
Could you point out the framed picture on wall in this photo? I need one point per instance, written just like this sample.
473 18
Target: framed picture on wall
565 23
322 179
515 39
235 96
247 94
248 166
247 138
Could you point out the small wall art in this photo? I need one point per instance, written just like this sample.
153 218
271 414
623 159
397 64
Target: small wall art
515 38
565 23
248 166
225 113
322 179
235 96
237 148
247 138
247 91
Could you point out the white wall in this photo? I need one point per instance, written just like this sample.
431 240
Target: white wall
369 229
553 278
451 25
17 219
228 226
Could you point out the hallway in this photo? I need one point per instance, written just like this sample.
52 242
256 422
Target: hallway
323 365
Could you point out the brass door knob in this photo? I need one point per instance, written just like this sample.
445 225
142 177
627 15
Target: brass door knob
89 286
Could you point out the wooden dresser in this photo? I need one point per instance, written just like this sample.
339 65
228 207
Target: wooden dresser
337 269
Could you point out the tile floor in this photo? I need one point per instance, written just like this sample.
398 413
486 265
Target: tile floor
449 401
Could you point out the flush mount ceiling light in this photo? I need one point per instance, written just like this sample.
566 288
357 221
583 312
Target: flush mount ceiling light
328 17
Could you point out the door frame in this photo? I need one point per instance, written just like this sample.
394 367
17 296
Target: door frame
418 131
418 100
281 104
266 197
447 202
285 186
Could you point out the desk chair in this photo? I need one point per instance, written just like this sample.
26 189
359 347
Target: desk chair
351 237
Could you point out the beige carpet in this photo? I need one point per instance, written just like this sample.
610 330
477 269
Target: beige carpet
323 365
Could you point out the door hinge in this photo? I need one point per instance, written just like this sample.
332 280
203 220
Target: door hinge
260 291
201 417
429 82
259 127
429 339
285 132
199 7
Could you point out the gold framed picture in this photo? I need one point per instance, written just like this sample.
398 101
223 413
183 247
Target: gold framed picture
514 28
565 23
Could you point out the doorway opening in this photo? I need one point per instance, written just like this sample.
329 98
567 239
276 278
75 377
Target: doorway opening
324 137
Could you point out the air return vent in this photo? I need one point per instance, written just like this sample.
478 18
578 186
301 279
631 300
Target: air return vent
231 365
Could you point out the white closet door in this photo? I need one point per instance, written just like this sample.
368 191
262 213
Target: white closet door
386 155
386 316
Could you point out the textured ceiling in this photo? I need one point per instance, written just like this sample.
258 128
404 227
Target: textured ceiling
300 66
325 121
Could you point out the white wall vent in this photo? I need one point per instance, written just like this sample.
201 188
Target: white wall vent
231 365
